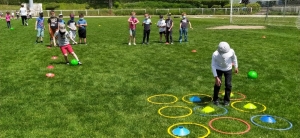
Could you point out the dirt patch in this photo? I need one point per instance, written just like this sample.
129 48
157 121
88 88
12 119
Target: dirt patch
237 27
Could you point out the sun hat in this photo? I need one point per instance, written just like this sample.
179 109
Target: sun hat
62 28
223 47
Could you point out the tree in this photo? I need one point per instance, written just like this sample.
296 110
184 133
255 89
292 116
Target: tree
110 3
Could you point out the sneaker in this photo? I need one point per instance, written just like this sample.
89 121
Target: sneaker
67 63
172 43
216 103
36 41
134 43
41 42
26 24
226 103
129 44
147 43
79 63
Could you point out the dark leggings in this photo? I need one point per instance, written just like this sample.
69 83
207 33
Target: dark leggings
169 35
227 75
146 34
8 24
24 19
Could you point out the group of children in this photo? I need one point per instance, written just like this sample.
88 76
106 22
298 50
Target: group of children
59 34
165 28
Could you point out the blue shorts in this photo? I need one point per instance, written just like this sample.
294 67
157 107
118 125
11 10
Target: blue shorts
40 32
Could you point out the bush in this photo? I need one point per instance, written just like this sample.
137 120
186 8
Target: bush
117 4
216 6
52 6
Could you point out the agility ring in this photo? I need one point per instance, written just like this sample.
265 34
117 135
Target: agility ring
183 98
189 123
218 118
225 111
252 120
264 107
236 99
190 111
149 99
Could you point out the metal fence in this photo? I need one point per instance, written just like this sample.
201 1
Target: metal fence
190 11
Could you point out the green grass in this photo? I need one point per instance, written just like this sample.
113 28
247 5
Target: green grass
107 95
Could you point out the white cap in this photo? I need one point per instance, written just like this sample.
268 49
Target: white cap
62 28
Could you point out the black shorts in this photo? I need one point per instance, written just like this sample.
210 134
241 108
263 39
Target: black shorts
82 33
164 32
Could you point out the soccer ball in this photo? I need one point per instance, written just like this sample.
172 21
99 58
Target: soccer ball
252 74
74 62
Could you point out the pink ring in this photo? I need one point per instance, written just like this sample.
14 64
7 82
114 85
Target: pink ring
247 124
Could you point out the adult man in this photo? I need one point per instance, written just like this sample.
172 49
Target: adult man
23 13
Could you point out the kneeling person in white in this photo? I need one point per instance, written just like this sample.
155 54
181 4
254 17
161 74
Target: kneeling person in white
63 37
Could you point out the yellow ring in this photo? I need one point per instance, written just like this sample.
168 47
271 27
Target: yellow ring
183 98
176 99
159 111
189 123
232 105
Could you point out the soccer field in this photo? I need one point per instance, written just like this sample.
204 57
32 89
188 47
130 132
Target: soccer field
107 95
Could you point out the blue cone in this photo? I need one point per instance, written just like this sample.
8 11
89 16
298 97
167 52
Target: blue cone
195 99
268 119
181 131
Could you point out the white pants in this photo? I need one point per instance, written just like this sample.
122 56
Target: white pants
72 34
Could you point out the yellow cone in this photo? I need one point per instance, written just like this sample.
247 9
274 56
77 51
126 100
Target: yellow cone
250 106
231 94
208 109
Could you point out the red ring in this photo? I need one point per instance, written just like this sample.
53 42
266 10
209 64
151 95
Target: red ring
243 96
247 130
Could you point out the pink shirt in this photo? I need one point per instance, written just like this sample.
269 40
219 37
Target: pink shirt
130 20
7 18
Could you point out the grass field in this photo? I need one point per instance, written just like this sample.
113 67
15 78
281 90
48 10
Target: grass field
107 95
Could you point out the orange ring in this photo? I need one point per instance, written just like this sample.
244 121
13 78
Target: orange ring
247 130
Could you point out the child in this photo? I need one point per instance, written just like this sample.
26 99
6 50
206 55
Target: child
222 60
82 24
146 23
63 42
72 26
17 14
39 26
7 17
169 27
29 15
52 26
61 20
132 26
13 15
161 24
183 30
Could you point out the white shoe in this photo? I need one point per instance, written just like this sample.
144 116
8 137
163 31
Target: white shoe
134 43
129 44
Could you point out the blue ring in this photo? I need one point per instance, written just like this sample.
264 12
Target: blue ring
291 125
196 107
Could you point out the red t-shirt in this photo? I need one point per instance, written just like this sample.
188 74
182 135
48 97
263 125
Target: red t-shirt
134 20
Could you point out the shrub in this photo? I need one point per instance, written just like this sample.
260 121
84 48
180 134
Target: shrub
52 6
